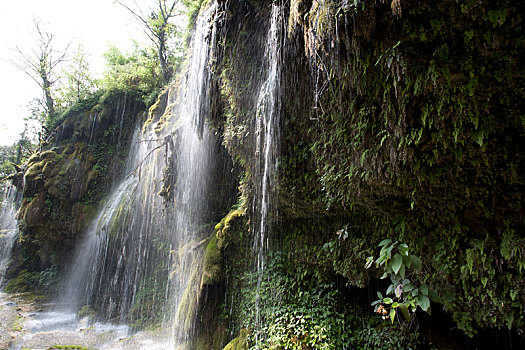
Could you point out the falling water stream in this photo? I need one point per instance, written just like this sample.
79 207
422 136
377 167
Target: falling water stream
267 146
8 228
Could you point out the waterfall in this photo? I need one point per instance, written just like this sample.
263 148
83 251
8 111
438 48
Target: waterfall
267 147
8 228
151 226
193 166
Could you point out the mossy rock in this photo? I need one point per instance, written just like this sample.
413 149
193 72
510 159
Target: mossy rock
51 168
224 226
239 343
219 337
24 282
48 155
83 216
36 210
188 305
212 272
34 169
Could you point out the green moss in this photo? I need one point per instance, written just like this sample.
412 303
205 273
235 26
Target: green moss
212 271
25 281
187 308
239 343
34 158
17 326
48 155
224 225
34 169
51 168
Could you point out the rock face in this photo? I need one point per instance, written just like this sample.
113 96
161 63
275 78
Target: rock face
393 126
63 183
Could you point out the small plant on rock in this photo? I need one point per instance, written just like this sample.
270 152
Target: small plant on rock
403 294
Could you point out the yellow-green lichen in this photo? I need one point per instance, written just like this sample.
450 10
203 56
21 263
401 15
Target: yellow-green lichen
224 225
239 343
212 262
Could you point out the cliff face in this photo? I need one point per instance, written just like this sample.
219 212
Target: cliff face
64 182
399 147
399 121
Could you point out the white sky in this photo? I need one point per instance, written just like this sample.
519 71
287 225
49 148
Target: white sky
95 24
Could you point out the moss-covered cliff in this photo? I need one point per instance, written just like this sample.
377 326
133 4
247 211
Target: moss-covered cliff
64 182
399 120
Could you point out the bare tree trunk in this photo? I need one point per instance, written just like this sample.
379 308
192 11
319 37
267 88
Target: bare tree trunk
165 71
50 103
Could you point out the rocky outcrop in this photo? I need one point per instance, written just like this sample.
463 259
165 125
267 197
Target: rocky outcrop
64 182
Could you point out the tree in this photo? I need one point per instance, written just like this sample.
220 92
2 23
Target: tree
40 62
136 70
77 80
156 24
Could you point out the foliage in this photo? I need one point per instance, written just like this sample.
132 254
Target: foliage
406 296
157 22
7 159
24 282
33 280
294 316
77 82
413 140
193 8
384 337
135 72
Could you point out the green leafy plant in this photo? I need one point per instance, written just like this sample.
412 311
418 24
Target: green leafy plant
403 294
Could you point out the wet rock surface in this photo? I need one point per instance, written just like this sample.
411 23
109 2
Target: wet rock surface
25 324
7 320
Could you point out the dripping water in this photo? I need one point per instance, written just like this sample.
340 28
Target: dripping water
267 148
94 116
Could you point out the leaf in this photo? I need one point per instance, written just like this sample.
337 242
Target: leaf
399 291
379 295
403 249
416 263
392 315
423 302
408 287
384 242
369 262
395 304
406 261
424 289
404 311
387 301
390 289
434 296
397 261
402 271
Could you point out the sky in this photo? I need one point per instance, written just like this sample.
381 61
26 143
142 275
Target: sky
95 24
